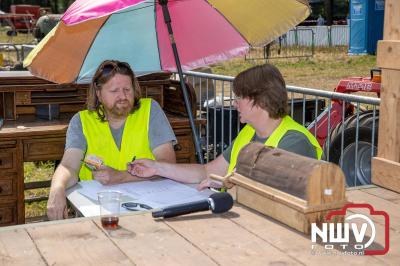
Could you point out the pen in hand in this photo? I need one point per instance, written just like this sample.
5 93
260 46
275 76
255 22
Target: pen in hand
133 159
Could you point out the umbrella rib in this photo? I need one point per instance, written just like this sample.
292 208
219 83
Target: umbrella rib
128 11
155 30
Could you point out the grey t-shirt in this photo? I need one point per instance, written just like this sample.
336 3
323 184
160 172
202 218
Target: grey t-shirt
160 131
292 141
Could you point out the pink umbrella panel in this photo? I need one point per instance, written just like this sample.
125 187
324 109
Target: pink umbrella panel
206 32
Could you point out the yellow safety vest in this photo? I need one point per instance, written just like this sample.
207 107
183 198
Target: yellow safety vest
100 142
247 133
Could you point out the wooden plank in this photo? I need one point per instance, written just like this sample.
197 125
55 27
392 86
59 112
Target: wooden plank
78 242
393 256
293 244
226 242
268 192
283 212
17 248
275 209
357 196
325 185
146 241
389 54
392 20
389 122
37 184
383 193
386 173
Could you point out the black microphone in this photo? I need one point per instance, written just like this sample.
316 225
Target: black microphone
217 203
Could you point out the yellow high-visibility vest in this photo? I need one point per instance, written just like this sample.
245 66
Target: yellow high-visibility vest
100 142
247 133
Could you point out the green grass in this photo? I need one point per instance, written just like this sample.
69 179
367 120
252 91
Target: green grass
37 172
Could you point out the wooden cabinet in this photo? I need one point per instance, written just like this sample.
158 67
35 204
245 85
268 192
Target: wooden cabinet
8 213
9 183
43 149
25 138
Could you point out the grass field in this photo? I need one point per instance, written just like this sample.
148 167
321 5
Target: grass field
323 71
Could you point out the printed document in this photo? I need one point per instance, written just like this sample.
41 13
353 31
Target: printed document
154 193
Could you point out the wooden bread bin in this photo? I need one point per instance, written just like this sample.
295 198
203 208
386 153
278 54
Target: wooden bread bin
290 188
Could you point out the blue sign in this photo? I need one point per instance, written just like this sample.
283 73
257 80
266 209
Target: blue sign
357 9
379 4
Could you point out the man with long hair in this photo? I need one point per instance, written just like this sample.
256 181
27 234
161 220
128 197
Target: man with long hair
261 100
117 127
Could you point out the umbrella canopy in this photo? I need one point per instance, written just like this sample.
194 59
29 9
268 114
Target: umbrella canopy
205 32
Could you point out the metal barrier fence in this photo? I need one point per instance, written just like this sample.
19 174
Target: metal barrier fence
301 42
325 36
345 125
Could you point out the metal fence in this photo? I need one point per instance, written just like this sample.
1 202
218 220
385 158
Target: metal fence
345 125
323 36
301 42
298 42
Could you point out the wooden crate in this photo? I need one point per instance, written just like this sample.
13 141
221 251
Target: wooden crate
290 188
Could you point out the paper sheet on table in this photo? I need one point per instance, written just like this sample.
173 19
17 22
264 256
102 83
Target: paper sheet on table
156 193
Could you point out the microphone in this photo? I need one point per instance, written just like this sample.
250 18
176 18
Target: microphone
217 203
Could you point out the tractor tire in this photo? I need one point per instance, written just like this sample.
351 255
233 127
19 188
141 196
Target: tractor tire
356 170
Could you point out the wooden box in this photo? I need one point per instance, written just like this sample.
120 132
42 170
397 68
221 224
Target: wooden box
290 188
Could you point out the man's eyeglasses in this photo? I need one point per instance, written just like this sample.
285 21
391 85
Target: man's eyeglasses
134 206
108 67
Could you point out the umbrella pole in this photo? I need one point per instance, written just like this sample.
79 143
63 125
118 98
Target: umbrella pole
167 20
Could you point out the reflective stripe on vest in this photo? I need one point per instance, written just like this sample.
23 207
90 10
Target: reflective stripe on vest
247 133
100 142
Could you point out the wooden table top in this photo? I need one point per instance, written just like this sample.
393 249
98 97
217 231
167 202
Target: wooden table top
239 237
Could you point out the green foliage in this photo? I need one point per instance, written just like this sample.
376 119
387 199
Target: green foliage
340 9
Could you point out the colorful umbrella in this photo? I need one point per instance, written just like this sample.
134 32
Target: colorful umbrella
140 33
134 31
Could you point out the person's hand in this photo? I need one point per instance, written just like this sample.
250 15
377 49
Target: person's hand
106 175
206 183
57 204
143 168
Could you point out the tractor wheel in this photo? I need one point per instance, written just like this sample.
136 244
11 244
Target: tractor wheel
357 170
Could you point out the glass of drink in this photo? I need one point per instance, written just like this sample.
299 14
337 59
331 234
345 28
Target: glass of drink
110 202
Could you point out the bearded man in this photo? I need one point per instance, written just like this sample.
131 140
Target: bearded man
117 127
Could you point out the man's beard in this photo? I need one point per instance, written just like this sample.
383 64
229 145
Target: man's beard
121 110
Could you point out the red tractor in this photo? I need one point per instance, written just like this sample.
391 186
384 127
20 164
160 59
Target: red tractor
355 160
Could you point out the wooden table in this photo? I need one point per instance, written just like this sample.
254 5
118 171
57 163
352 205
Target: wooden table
239 237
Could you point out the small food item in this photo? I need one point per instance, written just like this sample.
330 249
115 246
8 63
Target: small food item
93 162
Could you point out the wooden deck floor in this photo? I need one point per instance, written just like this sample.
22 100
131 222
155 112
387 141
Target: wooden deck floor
239 237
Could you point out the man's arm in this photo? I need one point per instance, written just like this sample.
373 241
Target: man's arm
108 176
186 173
65 176
165 153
